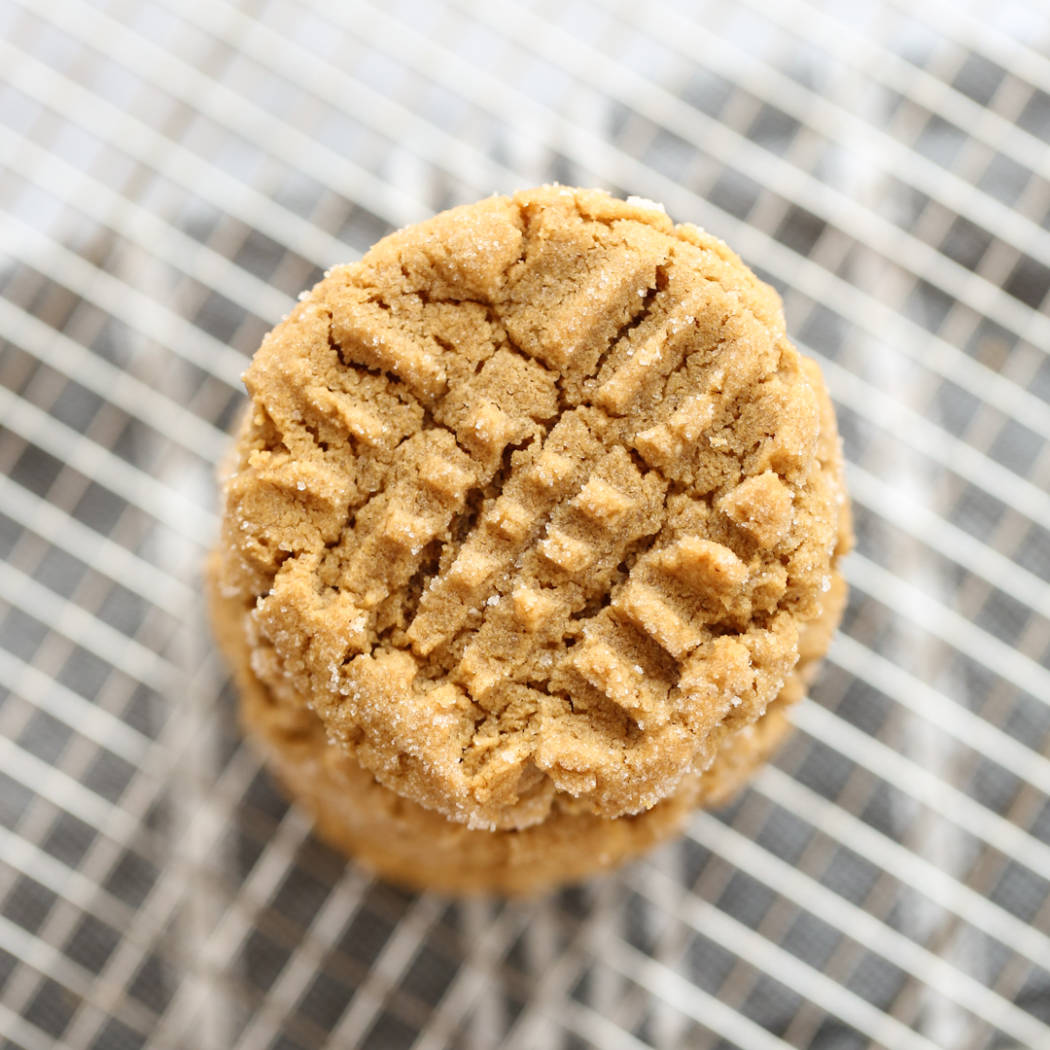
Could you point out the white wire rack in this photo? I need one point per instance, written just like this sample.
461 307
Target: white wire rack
172 172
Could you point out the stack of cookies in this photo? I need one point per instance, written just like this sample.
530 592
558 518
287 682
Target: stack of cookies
530 539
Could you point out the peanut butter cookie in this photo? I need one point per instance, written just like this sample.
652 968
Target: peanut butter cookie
530 508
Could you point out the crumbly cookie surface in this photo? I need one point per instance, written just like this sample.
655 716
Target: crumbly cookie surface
530 506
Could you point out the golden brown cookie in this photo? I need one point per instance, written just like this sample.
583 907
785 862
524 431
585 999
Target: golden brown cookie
531 506
419 848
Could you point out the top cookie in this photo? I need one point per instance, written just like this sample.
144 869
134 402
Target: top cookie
531 502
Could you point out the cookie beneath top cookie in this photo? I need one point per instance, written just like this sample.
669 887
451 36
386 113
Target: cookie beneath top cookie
531 504
421 849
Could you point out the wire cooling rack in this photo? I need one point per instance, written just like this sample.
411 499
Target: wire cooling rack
173 172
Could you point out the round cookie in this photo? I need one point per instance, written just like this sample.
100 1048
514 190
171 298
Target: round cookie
419 848
531 506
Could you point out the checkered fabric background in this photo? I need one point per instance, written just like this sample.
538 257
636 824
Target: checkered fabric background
173 172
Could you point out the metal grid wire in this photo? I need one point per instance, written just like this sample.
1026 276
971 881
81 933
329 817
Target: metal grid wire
172 172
